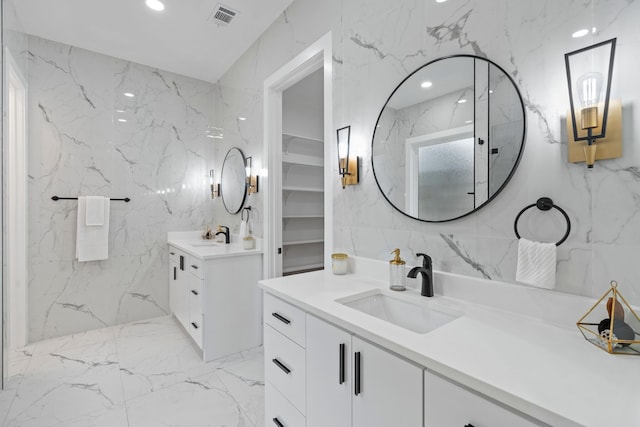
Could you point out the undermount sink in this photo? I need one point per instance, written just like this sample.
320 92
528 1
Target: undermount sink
417 316
207 243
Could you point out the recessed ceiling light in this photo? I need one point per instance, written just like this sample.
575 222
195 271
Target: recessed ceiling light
242 118
119 111
440 1
426 85
580 33
129 95
469 121
462 101
122 120
155 5
490 91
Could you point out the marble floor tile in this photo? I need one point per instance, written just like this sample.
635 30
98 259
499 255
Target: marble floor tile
154 356
205 402
6 398
146 373
63 385
245 381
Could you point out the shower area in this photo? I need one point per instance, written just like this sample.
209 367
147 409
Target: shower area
81 123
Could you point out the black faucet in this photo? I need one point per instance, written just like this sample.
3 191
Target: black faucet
427 275
225 232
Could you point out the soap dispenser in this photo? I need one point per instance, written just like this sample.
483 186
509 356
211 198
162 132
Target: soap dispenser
397 276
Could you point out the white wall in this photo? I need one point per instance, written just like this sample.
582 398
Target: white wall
377 43
78 146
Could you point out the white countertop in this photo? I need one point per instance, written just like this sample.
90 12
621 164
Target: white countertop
531 364
192 243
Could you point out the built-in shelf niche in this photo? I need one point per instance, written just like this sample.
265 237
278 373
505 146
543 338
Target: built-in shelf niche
302 204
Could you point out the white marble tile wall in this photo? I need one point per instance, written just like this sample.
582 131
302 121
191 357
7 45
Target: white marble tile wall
87 138
377 43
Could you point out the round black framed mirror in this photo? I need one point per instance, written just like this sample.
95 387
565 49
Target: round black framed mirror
449 138
233 183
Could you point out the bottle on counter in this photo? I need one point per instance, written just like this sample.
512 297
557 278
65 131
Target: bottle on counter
397 275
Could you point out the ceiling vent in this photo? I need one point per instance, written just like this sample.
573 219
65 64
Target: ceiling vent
222 15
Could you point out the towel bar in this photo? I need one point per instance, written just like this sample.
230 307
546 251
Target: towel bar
545 204
56 198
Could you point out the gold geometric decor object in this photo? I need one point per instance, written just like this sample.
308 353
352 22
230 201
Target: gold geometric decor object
612 325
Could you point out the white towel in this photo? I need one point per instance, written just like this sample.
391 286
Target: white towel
536 263
244 229
92 241
95 210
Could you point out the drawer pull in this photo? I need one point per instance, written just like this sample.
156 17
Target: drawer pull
277 422
175 273
281 318
195 267
172 253
194 292
194 324
341 368
356 386
281 365
469 425
181 263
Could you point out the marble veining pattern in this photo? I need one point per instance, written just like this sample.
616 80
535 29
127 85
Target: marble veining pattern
86 137
85 380
376 43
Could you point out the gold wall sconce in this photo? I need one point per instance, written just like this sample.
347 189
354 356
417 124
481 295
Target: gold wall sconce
214 187
593 117
252 180
348 167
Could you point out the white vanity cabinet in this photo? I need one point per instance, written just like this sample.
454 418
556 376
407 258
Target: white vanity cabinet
351 382
285 363
449 405
179 284
317 375
217 300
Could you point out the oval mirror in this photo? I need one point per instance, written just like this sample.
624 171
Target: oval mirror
449 138
233 184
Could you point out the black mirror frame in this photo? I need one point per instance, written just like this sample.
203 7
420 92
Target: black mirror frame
515 166
244 197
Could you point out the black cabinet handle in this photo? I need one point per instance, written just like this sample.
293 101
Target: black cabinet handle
194 292
469 425
194 325
281 365
277 422
356 386
195 267
281 318
341 369
181 263
175 273
172 253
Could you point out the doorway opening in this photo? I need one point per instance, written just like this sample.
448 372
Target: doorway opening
298 200
15 204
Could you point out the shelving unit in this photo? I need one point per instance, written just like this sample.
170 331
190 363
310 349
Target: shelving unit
302 204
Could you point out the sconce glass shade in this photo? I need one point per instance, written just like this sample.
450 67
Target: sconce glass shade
344 137
589 72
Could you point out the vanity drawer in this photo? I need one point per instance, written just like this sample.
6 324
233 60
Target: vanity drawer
285 367
196 267
174 254
449 405
285 318
279 410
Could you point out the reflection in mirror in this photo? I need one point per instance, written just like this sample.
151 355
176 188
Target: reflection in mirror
233 184
448 139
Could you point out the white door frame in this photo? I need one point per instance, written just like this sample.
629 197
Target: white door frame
15 178
316 56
